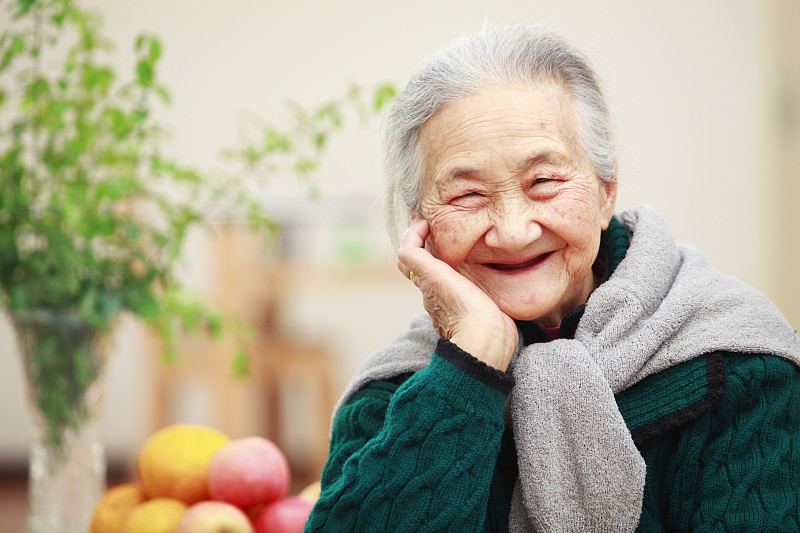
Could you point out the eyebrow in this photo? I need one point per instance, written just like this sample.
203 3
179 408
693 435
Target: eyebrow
546 158
469 173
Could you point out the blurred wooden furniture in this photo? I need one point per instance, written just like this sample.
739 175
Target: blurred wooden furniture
289 396
299 396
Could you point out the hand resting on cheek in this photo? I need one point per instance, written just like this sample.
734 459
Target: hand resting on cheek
459 309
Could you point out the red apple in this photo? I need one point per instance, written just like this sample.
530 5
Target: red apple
214 517
287 515
248 472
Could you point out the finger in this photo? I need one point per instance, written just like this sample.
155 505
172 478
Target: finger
415 264
412 254
429 246
408 270
415 235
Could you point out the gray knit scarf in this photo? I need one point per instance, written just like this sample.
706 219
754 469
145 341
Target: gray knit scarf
579 469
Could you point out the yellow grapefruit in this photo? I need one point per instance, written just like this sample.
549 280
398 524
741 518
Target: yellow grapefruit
311 491
173 462
159 515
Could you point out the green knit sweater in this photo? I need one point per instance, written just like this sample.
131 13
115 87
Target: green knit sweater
423 456
720 436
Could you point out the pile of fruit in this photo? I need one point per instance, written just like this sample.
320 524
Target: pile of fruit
194 479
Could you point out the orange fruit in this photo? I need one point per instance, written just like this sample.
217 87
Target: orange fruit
173 462
113 508
159 515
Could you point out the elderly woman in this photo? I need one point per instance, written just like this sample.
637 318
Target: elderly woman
577 370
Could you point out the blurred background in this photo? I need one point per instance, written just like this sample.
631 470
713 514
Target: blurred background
705 97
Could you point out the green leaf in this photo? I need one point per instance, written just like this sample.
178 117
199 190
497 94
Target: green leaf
241 363
108 304
138 115
37 89
188 176
215 326
20 297
305 165
98 78
17 47
24 6
144 304
276 141
164 94
17 44
144 73
319 140
18 129
383 94
58 18
330 112
88 302
155 49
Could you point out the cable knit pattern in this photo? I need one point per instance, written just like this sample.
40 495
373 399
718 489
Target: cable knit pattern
733 468
737 468
433 443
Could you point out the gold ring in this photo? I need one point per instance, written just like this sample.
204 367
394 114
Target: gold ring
411 276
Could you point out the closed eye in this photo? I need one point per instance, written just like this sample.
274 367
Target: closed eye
544 187
470 194
470 198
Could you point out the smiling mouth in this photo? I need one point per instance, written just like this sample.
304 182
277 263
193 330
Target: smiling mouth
519 266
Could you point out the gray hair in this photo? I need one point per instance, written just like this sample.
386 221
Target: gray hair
494 56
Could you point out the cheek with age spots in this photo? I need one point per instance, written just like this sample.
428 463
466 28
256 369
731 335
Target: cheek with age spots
448 236
442 237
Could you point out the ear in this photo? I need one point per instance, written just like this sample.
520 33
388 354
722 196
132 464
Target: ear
607 200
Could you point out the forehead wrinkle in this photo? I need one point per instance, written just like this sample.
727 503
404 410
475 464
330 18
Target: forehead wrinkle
460 137
518 160
518 134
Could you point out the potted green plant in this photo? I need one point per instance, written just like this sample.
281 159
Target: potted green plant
93 218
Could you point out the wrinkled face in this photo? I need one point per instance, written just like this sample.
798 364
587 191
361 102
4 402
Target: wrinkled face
512 204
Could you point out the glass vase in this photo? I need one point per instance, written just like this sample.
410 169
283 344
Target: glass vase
64 358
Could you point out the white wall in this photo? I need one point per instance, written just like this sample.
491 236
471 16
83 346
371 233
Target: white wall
686 80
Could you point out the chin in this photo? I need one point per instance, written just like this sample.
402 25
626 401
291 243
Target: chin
525 314
546 308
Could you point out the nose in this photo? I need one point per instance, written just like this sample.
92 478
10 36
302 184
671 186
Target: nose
513 226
